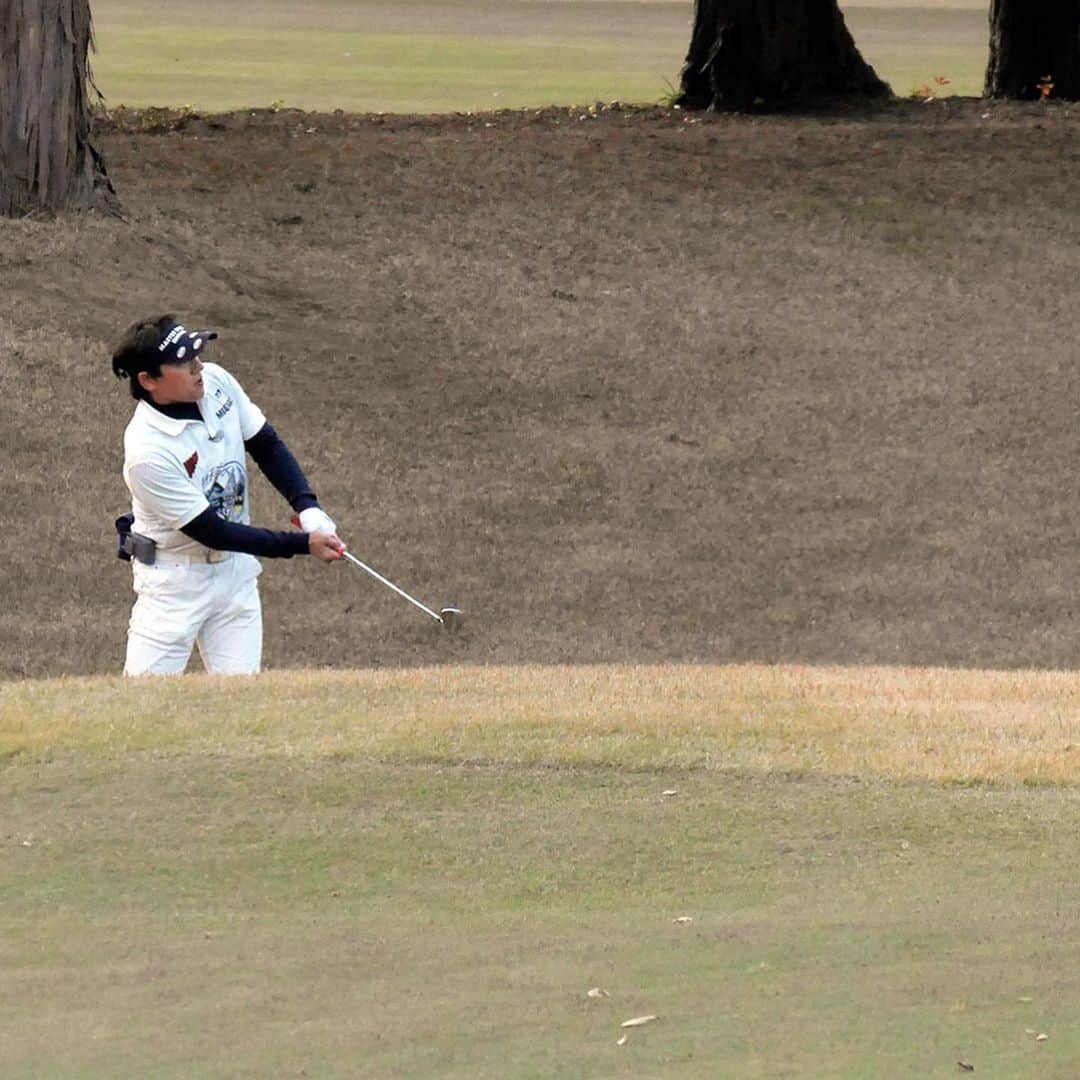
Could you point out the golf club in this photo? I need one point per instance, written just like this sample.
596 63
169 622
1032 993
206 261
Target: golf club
450 617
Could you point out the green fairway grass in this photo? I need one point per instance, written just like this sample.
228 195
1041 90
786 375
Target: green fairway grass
372 57
470 55
425 873
909 47
364 72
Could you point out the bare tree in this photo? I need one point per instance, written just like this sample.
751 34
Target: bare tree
767 53
1034 49
46 157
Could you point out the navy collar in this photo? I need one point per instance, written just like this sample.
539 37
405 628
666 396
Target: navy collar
178 410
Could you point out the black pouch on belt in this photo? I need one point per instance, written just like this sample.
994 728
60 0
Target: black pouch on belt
132 545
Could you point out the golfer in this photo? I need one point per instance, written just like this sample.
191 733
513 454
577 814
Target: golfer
192 548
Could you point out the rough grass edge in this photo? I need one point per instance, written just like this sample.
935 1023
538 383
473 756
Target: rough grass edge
905 724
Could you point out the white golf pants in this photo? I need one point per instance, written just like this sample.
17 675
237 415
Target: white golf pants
179 604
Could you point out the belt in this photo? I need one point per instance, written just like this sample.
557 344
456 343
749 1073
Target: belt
207 555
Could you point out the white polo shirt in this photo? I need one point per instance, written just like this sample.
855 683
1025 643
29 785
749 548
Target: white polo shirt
175 469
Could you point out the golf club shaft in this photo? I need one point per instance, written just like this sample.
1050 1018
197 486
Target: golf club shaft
390 585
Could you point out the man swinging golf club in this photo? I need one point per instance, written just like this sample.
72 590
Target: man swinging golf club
189 536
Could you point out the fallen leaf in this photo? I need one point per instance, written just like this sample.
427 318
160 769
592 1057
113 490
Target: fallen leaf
622 1041
639 1021
597 992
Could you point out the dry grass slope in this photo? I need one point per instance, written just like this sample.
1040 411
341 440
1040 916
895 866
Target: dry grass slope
633 386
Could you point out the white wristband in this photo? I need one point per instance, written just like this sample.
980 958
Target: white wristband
313 519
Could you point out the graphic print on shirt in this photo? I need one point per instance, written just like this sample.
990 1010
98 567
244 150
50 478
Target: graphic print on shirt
224 487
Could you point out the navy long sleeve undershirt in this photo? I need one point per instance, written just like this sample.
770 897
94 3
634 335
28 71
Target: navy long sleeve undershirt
279 466
221 535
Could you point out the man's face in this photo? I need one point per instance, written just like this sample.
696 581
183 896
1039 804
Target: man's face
180 382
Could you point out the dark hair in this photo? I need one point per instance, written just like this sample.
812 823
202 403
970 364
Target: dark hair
138 351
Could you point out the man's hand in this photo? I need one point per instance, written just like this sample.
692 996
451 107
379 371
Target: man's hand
314 519
325 546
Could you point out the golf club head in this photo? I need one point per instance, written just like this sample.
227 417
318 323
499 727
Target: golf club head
452 618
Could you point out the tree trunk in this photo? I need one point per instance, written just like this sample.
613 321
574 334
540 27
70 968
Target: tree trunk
1034 49
46 159
772 53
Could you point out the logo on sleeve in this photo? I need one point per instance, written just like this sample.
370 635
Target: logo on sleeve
191 462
